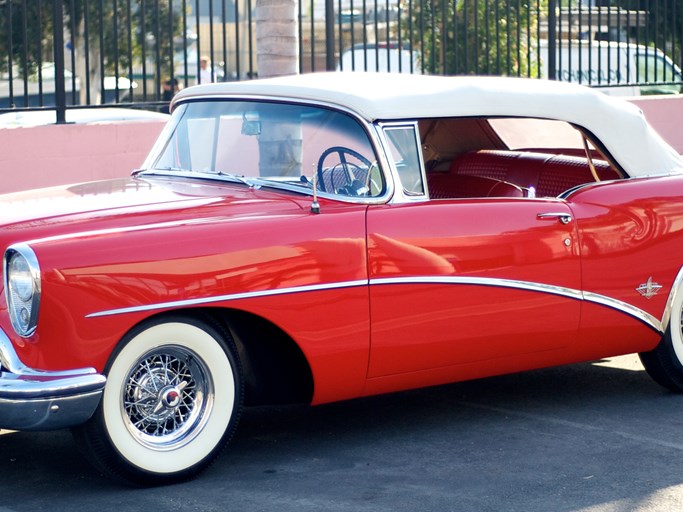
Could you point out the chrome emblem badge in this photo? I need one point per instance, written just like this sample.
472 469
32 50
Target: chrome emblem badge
649 289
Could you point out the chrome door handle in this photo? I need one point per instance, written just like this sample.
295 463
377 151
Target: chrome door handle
564 218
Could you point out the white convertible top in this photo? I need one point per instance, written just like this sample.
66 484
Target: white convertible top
619 125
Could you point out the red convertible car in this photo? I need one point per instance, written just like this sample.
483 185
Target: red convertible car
328 236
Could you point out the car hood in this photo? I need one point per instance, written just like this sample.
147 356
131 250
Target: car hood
132 201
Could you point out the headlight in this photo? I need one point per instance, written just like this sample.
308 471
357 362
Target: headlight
22 288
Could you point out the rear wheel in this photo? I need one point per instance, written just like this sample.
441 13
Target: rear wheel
665 363
172 400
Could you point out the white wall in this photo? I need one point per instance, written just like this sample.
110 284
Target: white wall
41 156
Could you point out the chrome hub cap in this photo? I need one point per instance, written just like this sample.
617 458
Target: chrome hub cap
167 398
171 398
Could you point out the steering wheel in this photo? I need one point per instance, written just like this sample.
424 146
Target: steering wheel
350 185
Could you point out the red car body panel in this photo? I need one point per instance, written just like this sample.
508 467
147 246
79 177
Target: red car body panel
630 231
417 327
422 332
287 247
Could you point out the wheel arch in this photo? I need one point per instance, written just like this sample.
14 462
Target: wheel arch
676 290
275 370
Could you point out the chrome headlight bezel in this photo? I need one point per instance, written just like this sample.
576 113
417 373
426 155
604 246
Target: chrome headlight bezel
22 283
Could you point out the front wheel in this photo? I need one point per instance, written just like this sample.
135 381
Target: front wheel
172 401
665 363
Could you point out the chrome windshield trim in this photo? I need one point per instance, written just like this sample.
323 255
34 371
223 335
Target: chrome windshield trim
370 128
221 176
230 297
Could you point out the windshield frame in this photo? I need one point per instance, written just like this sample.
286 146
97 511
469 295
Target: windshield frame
290 184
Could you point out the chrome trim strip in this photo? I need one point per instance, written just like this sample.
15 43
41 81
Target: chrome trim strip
571 293
148 175
624 307
10 361
483 281
229 297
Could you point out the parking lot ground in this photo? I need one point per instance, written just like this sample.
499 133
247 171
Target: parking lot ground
594 437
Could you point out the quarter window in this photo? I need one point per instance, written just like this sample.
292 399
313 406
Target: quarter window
404 149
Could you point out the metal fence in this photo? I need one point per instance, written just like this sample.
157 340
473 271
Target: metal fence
74 53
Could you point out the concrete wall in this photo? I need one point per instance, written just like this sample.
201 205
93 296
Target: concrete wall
665 113
42 156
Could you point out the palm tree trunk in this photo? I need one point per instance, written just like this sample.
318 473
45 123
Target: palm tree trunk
277 46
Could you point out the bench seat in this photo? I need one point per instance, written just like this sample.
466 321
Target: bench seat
443 185
548 175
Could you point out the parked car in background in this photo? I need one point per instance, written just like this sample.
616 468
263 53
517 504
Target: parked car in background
617 69
328 236
39 89
23 118
381 57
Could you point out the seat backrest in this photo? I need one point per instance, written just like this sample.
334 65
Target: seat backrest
452 186
560 173
548 174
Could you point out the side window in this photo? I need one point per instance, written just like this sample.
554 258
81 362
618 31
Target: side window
510 158
404 151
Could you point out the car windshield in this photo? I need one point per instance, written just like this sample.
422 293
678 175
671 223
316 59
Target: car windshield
270 143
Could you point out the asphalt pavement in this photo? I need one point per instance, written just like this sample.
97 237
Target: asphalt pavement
595 437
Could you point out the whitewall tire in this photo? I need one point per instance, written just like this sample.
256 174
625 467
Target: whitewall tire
665 363
172 400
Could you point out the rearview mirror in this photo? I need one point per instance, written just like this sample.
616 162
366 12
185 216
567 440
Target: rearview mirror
251 127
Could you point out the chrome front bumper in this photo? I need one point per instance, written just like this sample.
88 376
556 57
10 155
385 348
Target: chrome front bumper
44 400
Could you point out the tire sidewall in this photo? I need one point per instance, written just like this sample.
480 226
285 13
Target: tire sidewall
674 334
208 346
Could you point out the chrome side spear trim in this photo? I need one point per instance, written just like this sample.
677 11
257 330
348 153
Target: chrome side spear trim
643 316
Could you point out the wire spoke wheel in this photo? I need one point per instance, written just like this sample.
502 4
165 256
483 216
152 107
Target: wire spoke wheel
167 397
172 401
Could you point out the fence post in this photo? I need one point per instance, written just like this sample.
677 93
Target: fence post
552 39
329 35
60 91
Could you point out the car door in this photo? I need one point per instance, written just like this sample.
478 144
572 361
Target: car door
462 281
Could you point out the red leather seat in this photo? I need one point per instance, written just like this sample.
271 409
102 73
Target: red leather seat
451 186
549 175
